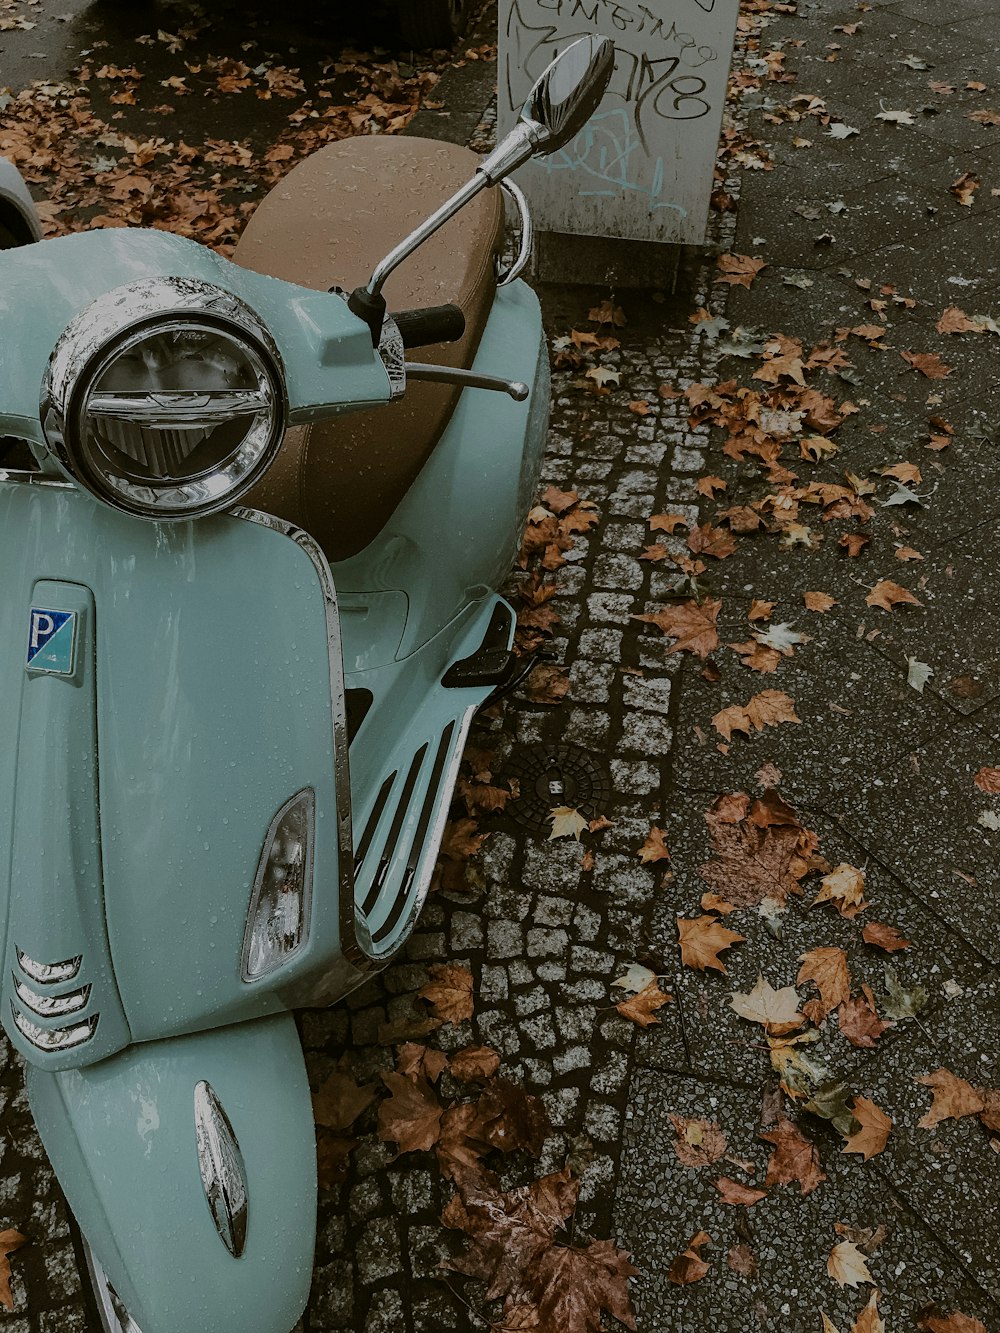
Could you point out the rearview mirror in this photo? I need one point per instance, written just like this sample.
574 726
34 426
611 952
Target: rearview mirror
561 102
569 92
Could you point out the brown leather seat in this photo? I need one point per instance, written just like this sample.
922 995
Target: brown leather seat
329 221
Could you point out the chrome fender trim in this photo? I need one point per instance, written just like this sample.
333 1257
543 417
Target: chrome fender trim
223 1172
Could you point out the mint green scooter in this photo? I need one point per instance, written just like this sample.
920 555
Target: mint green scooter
242 636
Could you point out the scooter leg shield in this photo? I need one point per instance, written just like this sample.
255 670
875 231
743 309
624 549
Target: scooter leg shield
190 1166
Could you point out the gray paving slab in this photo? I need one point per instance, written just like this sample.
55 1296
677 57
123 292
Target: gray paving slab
722 1046
663 1203
858 715
955 631
922 818
947 1174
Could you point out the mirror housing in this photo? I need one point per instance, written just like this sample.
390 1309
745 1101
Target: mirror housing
561 102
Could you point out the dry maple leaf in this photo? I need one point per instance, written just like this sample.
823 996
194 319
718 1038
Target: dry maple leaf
411 1117
844 886
668 522
733 1192
873 1135
702 940
699 1142
884 937
514 1251
794 1158
827 969
708 486
608 313
760 610
761 850
691 624
566 822
706 540
654 848
449 992
846 1265
756 656
859 1020
776 1010
953 1098
10 1241
690 1266
954 320
887 594
928 363
340 1101
739 270
930 1322
415 1060
853 542
474 1063
818 601
641 1008
547 684
988 780
964 188
573 1286
869 1321
767 709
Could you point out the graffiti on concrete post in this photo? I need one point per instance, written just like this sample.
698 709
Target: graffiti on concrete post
642 168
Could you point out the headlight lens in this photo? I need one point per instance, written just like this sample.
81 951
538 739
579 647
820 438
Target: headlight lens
170 413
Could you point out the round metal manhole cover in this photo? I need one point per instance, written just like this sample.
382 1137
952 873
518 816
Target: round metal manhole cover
554 775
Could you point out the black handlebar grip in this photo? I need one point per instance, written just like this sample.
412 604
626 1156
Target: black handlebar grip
436 324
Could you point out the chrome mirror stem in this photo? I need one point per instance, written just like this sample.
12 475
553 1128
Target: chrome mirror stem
426 229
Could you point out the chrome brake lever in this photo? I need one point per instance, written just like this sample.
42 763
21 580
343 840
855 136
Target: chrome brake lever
467 379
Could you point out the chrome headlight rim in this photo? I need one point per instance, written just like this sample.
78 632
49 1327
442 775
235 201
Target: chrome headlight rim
102 332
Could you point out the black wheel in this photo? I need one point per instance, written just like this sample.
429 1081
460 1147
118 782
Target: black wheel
105 1312
427 23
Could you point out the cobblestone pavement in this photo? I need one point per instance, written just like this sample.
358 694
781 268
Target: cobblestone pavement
881 773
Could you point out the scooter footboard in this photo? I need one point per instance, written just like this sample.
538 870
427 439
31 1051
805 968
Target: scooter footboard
190 1167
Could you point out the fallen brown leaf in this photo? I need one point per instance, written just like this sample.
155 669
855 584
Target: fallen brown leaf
873 1135
690 1266
10 1241
953 1098
702 940
641 1008
735 1193
449 992
827 969
691 624
794 1159
884 937
654 848
699 1142
818 601
928 363
739 270
474 1063
887 594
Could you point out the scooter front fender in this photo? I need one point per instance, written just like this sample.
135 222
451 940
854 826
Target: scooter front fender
190 1166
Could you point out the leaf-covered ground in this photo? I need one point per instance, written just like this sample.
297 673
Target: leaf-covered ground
713 1045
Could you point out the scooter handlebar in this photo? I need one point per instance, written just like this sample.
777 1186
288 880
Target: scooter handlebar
436 324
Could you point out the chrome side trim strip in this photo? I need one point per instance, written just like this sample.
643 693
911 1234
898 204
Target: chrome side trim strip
223 1173
422 880
19 478
53 1039
350 943
113 1315
47 974
51 1006
504 276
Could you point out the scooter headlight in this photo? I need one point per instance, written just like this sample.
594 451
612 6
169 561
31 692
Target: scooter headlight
165 398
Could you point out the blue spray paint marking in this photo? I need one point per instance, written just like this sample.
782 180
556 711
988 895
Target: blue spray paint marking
608 151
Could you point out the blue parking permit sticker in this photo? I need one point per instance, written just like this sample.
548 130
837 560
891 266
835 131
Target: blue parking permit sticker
51 639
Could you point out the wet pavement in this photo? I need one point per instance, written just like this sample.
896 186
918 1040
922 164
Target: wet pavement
881 773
